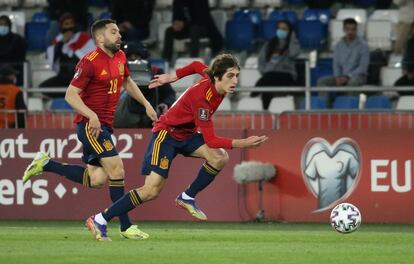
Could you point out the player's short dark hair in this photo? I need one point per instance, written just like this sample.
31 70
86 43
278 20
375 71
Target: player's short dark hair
350 21
220 64
100 24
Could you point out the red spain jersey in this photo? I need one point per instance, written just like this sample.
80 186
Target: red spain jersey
100 78
193 110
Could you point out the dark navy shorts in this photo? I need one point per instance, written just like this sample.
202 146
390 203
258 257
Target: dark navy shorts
95 148
162 149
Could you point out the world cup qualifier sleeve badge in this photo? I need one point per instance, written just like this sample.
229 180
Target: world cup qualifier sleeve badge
203 114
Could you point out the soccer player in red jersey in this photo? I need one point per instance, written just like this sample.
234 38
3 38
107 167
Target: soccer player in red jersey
177 132
94 93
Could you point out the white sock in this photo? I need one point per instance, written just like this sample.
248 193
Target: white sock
100 220
185 196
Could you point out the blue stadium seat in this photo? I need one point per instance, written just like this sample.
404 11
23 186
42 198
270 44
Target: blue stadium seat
269 28
324 67
255 16
317 102
346 102
312 34
35 33
378 102
41 17
291 16
240 35
60 104
321 15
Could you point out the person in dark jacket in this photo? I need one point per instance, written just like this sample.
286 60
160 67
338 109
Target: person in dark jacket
12 48
192 19
129 113
408 65
133 18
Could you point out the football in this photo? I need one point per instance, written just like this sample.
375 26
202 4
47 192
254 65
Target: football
345 218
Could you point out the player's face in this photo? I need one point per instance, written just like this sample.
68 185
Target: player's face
112 38
229 81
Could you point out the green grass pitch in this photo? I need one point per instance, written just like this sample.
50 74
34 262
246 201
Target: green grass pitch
194 243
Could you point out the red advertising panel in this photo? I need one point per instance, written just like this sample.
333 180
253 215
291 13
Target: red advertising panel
317 169
50 196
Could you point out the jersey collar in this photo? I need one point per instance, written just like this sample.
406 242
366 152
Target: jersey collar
214 90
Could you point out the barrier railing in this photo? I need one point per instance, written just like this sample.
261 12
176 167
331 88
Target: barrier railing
316 120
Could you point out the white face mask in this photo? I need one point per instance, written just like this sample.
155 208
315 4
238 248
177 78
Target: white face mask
4 30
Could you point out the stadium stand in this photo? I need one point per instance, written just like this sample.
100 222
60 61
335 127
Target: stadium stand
389 75
225 105
378 34
378 102
234 3
317 103
266 3
405 103
59 104
280 104
250 104
346 102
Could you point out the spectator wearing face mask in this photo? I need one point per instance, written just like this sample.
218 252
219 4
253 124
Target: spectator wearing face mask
11 98
12 47
66 50
277 61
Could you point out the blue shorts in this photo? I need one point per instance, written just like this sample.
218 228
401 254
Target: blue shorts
95 148
162 149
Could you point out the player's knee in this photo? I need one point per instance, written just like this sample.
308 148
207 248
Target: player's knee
219 159
117 172
149 192
97 185
96 180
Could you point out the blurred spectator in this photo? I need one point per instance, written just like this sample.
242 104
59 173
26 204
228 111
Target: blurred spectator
133 18
56 8
66 50
406 18
129 113
408 65
351 59
277 60
12 47
78 8
192 19
11 98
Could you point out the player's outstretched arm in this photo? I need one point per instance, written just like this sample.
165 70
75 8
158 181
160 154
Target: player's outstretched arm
73 98
214 141
136 93
161 79
190 69
250 142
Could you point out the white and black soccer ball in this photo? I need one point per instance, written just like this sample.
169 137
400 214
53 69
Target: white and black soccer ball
345 218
